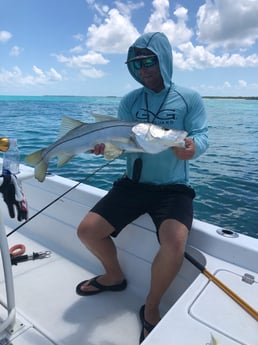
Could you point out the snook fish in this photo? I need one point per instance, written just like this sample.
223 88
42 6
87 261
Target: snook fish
118 136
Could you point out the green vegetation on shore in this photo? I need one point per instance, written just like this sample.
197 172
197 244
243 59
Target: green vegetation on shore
252 98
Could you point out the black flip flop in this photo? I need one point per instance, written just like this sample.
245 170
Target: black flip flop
145 324
100 287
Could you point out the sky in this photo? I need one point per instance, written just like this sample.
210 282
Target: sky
79 47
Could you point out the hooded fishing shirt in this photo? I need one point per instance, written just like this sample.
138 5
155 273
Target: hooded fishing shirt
173 107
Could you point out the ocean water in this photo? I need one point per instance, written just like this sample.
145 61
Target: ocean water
225 178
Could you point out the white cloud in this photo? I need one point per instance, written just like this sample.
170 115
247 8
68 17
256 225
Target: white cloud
53 75
100 9
5 36
79 37
127 8
82 61
242 83
15 51
220 23
77 49
229 24
114 35
114 30
38 72
228 88
176 31
226 85
181 13
217 27
92 73
85 63
188 56
16 77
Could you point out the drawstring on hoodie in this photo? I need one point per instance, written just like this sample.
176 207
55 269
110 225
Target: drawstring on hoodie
159 48
137 166
160 107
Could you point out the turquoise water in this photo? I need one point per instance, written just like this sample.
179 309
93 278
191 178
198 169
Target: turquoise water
225 177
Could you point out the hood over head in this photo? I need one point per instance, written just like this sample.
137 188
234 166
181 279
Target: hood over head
158 44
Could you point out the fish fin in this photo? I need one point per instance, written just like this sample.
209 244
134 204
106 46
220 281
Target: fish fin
63 159
68 123
34 158
111 151
100 118
41 170
213 340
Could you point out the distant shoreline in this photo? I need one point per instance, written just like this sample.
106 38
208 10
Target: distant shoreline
248 98
232 97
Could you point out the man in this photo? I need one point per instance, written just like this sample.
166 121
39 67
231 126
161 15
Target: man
155 184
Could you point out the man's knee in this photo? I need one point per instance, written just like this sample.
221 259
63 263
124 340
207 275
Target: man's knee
84 230
93 228
173 235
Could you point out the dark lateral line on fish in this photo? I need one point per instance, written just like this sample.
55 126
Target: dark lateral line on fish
78 136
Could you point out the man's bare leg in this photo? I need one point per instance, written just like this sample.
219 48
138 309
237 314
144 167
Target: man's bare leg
173 236
94 232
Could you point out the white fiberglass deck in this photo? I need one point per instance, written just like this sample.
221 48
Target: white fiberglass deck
46 300
193 309
45 296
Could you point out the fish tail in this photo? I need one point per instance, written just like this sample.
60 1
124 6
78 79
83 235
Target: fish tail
41 170
34 158
41 165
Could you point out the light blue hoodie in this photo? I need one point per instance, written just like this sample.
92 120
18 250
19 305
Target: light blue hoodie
173 107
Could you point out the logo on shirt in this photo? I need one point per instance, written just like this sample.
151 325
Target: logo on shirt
164 117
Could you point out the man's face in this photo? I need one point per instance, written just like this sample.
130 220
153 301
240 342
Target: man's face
150 76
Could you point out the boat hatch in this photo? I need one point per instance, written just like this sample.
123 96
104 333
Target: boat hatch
227 316
21 332
30 337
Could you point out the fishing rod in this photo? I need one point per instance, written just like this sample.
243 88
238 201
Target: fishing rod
222 286
61 196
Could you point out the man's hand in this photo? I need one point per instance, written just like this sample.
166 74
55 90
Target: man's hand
99 149
13 196
186 152
183 153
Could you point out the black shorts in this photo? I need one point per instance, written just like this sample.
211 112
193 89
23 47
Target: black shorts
128 200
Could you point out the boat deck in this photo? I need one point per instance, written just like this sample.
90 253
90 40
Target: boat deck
51 312
193 309
46 298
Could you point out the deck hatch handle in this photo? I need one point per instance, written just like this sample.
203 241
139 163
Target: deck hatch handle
248 278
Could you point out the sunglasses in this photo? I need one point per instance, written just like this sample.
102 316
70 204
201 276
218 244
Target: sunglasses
146 62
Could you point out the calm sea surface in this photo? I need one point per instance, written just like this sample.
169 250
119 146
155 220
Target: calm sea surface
225 177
